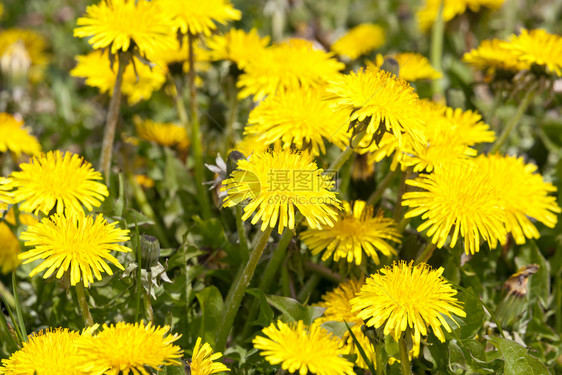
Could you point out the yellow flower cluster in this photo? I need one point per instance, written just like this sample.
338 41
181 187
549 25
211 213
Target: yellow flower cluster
117 349
519 52
451 8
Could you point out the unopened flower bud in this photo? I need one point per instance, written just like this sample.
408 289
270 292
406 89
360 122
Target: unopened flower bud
150 251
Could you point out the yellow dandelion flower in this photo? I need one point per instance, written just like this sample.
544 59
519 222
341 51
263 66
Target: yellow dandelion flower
450 134
178 53
356 232
524 195
427 15
475 5
199 17
388 147
14 137
381 101
538 47
360 40
250 144
287 66
338 309
165 134
46 352
411 66
6 194
128 348
492 55
38 184
144 181
403 296
9 244
120 24
139 80
9 249
202 361
237 46
76 241
300 118
304 349
462 198
278 182
34 44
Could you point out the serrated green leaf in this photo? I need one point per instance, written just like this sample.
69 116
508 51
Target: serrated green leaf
265 316
212 306
517 361
293 310
472 323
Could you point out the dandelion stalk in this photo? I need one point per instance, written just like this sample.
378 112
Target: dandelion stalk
146 209
5 292
436 51
342 158
111 121
232 113
241 234
148 307
83 303
236 292
529 95
377 194
426 253
19 312
182 113
196 147
404 359
398 207
269 273
379 364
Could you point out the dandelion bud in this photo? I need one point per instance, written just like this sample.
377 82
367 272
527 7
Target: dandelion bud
150 251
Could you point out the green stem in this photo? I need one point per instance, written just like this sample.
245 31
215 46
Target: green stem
5 292
436 50
111 121
196 146
236 292
426 253
267 276
232 93
83 303
349 150
398 206
379 364
139 275
377 194
243 242
311 284
510 13
19 311
180 107
276 260
323 271
558 302
404 359
308 287
148 307
515 119
494 106
146 209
